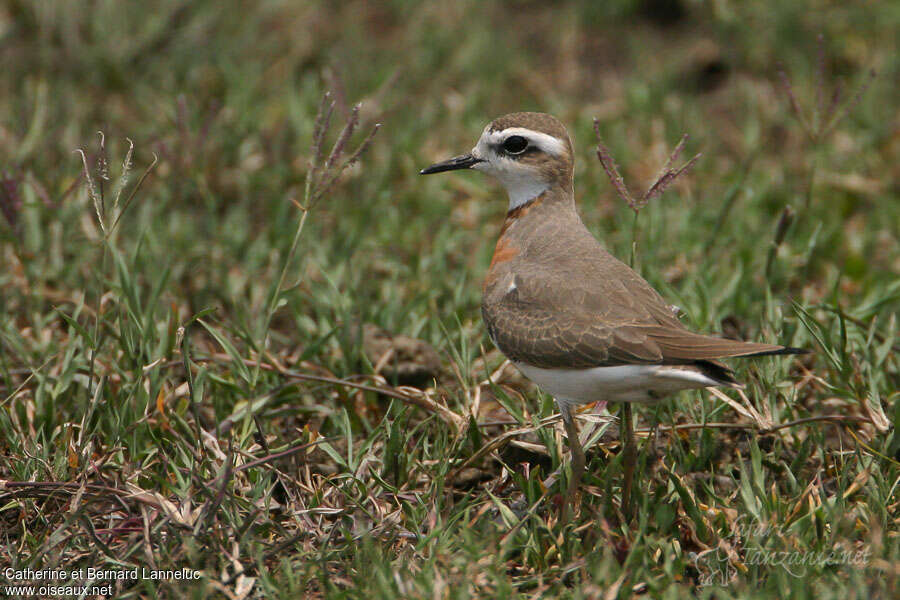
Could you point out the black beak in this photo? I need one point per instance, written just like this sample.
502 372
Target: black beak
463 161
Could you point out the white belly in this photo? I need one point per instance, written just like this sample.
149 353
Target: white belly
627 383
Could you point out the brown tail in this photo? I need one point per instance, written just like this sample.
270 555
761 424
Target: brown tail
678 344
724 375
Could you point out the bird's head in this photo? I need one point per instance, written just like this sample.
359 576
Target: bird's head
527 152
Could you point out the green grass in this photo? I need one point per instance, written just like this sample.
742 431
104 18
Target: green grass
141 425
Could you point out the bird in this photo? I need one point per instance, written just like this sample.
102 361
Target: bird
575 320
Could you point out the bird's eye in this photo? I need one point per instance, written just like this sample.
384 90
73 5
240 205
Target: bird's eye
515 144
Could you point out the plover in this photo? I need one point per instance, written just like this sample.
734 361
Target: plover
570 316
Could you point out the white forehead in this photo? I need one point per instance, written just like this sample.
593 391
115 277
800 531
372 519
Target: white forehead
544 141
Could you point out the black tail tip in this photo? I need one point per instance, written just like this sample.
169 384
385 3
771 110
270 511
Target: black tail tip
784 350
790 350
780 352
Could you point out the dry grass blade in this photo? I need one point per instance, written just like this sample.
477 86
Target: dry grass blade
338 148
270 458
849 106
320 126
134 191
824 119
413 396
364 145
840 419
322 180
10 198
676 152
612 171
101 167
746 410
795 105
835 103
665 178
123 178
104 493
32 373
92 190
500 441
876 414
668 176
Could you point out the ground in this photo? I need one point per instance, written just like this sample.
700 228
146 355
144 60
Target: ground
239 360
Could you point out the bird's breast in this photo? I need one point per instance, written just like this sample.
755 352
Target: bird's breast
504 254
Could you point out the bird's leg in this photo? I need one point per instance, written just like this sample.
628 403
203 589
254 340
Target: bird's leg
629 457
578 460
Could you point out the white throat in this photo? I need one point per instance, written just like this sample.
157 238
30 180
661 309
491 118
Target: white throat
522 190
